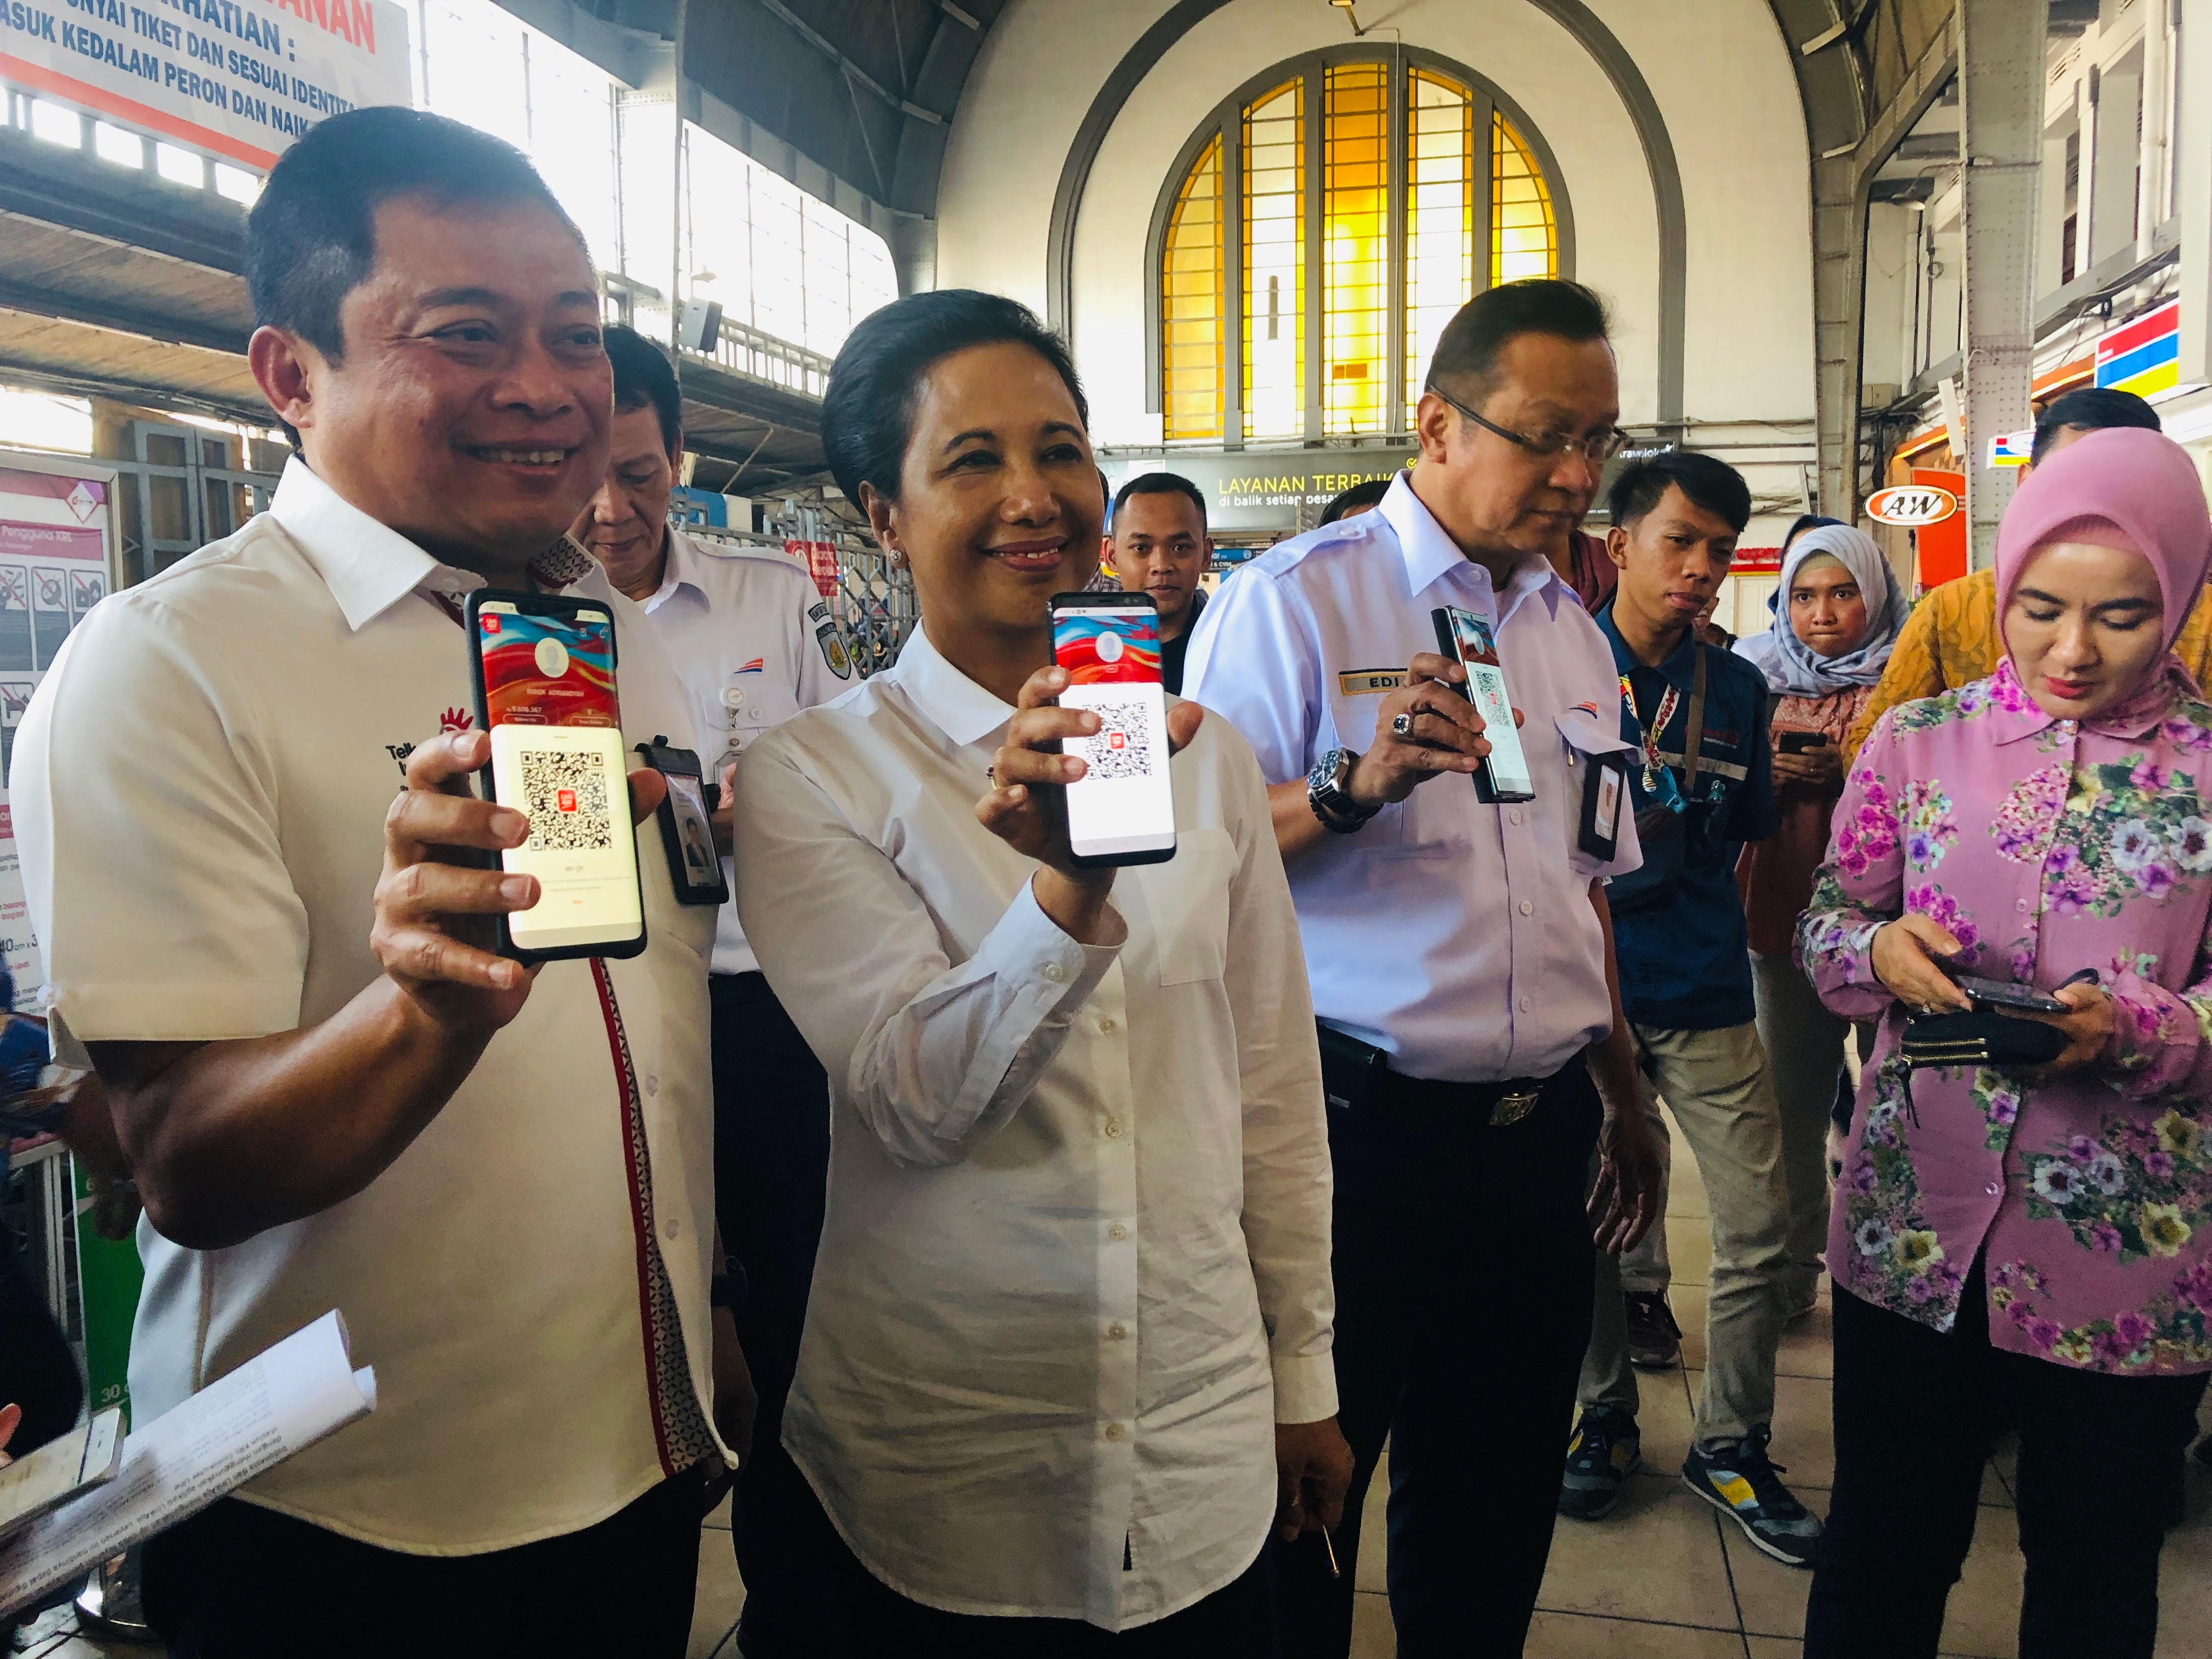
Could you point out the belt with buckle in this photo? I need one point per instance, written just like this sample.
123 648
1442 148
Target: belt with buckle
1512 1108
1357 1076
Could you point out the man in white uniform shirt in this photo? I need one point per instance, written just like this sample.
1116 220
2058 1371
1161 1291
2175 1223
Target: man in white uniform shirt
754 643
1460 956
331 1097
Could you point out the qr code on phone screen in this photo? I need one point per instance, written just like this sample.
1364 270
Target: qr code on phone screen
565 795
1123 746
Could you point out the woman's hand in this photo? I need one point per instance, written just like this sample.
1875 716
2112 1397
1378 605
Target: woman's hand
1905 952
1026 805
2087 1023
1820 767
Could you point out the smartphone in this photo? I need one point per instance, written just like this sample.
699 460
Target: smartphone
544 670
1121 809
1466 638
2004 994
1797 743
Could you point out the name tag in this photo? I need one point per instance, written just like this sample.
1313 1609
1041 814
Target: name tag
1370 681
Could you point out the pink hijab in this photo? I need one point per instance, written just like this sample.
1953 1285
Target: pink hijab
2122 488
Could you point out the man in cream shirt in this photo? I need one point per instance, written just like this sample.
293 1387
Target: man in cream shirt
330 1097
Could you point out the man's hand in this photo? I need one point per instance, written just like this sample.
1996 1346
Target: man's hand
433 935
1444 733
736 1404
1624 1200
1313 1471
1905 952
2087 1023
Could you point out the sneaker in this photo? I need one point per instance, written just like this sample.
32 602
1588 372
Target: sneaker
1736 1478
1654 1341
1605 1450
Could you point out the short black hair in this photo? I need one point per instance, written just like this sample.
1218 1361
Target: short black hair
311 238
1161 484
1358 499
867 408
1709 483
643 378
1466 351
2096 407
1805 522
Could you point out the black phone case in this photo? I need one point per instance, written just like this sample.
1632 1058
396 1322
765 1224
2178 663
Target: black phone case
1486 782
670 762
543 605
1088 600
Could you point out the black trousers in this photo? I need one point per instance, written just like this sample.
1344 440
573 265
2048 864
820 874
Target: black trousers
1463 1266
1916 1411
1235 1622
240 1582
771 1165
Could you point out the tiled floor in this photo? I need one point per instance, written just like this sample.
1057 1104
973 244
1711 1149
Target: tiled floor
1663 1577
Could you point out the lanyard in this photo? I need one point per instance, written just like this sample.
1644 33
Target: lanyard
1693 738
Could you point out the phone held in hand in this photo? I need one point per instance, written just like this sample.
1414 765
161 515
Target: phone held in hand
544 672
1797 743
2004 994
1464 636
1121 809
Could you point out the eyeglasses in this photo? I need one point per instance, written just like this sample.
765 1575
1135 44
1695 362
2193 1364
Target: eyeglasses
1597 449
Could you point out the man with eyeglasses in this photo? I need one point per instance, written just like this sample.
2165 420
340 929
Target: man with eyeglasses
1461 960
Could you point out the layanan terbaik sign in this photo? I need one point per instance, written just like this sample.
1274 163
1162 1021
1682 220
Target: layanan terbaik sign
239 79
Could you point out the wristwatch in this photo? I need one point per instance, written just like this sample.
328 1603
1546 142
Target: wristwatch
1331 800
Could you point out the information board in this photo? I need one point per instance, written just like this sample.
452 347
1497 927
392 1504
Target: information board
239 79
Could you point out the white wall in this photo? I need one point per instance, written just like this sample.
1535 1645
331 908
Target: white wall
1724 88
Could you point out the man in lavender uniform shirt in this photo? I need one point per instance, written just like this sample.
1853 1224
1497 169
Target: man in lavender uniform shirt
1460 956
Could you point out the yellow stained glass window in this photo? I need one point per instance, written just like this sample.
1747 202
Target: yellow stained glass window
1461 159
1524 240
1441 182
1191 309
1355 380
1274 299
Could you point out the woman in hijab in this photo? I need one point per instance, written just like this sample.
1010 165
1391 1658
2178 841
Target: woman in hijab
2033 1243
1838 610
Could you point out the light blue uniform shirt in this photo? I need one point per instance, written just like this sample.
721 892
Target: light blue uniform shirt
1459 937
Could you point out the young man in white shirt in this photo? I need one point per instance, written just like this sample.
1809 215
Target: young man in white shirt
754 643
331 1095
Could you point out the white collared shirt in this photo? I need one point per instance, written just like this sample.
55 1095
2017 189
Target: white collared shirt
1075 1263
1459 937
200 787
754 643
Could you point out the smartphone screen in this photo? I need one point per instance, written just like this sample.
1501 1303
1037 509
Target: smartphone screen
557 757
1507 766
1121 809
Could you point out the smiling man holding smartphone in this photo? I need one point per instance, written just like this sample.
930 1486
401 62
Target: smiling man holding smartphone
332 1092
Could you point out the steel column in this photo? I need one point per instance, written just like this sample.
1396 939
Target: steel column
2001 73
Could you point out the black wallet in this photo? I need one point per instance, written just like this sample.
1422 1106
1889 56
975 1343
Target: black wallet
1981 1037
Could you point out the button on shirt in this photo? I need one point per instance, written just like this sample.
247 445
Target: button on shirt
199 788
1680 936
2046 847
1074 1265
754 643
1459 937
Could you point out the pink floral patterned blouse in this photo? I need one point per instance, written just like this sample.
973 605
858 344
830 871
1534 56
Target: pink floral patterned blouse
2046 847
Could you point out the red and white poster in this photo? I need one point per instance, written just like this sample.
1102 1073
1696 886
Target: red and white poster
819 561
55 538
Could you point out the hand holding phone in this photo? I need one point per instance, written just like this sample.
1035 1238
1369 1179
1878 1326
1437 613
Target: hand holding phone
2004 994
1120 806
1504 774
545 671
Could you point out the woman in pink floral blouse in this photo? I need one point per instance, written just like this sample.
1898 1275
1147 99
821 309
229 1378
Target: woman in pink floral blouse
2031 1248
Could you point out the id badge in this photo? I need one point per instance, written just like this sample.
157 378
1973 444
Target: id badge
1605 781
687 828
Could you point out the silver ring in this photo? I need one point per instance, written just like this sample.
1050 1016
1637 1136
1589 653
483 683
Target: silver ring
1403 725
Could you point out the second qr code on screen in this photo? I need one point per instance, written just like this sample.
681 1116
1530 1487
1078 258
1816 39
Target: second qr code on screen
1123 746
565 795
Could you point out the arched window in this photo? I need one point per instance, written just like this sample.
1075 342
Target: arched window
1405 182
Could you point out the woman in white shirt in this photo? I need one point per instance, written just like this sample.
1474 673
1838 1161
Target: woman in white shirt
1066 1358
